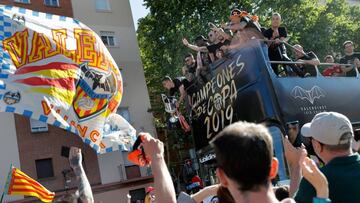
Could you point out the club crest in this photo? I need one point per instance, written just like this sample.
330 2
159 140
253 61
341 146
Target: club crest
93 92
11 98
310 95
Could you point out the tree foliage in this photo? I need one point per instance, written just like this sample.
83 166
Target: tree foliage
321 28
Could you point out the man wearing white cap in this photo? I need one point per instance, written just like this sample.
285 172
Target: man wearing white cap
331 135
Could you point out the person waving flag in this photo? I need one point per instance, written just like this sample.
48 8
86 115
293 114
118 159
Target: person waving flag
57 70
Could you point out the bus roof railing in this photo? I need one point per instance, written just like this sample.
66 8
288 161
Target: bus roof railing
303 63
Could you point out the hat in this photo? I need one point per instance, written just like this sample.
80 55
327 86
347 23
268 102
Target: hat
150 189
347 42
329 128
235 12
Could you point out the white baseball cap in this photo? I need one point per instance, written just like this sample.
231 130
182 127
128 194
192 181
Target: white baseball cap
328 128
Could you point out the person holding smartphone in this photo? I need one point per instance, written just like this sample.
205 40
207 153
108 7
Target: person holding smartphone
294 133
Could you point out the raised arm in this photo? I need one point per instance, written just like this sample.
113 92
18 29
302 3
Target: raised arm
204 193
182 95
164 188
317 179
194 47
84 188
293 156
314 62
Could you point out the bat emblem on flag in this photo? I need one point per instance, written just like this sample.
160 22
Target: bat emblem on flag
93 91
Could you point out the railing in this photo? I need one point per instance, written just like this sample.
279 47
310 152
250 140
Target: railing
352 66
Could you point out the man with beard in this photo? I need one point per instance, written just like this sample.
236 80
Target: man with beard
189 70
203 58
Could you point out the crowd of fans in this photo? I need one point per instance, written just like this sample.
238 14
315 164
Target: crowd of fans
246 166
234 35
247 177
322 157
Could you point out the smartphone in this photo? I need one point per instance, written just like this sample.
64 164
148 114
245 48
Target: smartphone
292 123
65 151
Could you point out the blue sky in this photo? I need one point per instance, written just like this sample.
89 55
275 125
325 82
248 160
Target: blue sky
138 10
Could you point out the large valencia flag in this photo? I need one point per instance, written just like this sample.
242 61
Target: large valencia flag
57 70
20 184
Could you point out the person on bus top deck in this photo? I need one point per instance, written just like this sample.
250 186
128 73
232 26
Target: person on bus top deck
239 20
332 70
309 59
203 58
178 85
277 49
189 69
350 58
217 38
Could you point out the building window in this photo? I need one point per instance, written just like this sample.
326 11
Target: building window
44 168
23 1
108 38
38 126
54 3
102 5
124 112
132 172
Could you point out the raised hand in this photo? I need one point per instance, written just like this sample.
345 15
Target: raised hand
292 154
84 188
153 147
312 174
185 42
75 157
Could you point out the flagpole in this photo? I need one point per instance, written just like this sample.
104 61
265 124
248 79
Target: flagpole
6 183
2 197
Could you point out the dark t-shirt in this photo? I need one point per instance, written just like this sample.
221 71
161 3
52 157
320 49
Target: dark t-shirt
269 33
192 68
177 83
308 68
349 59
214 47
343 175
274 53
189 87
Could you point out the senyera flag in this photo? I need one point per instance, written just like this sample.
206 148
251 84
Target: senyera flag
57 70
18 183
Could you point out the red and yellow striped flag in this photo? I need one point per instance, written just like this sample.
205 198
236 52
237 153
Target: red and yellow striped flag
21 184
